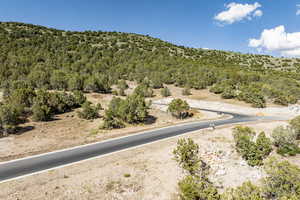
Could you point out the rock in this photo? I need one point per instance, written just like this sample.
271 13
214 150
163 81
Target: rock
243 163
220 172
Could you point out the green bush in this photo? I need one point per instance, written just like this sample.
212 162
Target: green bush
115 92
285 99
295 124
254 152
75 82
41 112
61 102
257 100
122 85
247 191
121 92
285 139
144 90
228 93
218 88
186 91
132 110
22 96
89 111
195 185
194 188
165 92
282 181
281 100
57 102
112 123
243 136
79 97
264 145
186 154
253 95
156 81
288 149
179 109
9 118
58 80
42 97
97 83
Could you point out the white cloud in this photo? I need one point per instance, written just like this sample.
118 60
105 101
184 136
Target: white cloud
237 12
277 39
258 13
298 9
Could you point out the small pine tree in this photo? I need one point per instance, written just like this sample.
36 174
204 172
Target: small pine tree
79 97
264 145
179 108
9 118
193 187
122 85
121 92
111 122
89 111
165 92
295 124
41 112
187 155
186 91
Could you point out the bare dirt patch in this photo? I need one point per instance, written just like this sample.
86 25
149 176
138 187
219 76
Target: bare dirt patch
147 172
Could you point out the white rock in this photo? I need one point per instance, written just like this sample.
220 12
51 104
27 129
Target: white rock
221 172
243 163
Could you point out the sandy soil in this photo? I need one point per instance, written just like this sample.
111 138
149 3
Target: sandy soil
285 113
147 172
205 95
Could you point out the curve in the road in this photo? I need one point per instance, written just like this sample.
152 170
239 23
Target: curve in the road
21 167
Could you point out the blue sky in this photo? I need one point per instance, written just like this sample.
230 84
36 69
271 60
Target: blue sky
190 23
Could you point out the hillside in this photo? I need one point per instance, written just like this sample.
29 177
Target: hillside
117 41
42 57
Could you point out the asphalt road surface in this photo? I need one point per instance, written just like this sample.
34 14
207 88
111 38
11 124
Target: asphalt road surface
34 164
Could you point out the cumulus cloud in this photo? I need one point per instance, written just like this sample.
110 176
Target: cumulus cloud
298 9
277 39
258 13
236 12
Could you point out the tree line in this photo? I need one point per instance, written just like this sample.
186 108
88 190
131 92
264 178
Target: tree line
92 61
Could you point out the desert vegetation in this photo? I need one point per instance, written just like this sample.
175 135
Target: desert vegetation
132 110
20 104
179 108
282 180
93 61
253 151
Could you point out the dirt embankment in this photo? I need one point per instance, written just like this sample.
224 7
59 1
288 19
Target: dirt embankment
285 113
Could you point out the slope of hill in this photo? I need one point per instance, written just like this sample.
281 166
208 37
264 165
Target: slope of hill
42 57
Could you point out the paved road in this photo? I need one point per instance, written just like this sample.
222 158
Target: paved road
26 166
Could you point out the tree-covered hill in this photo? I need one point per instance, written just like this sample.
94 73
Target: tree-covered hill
40 57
